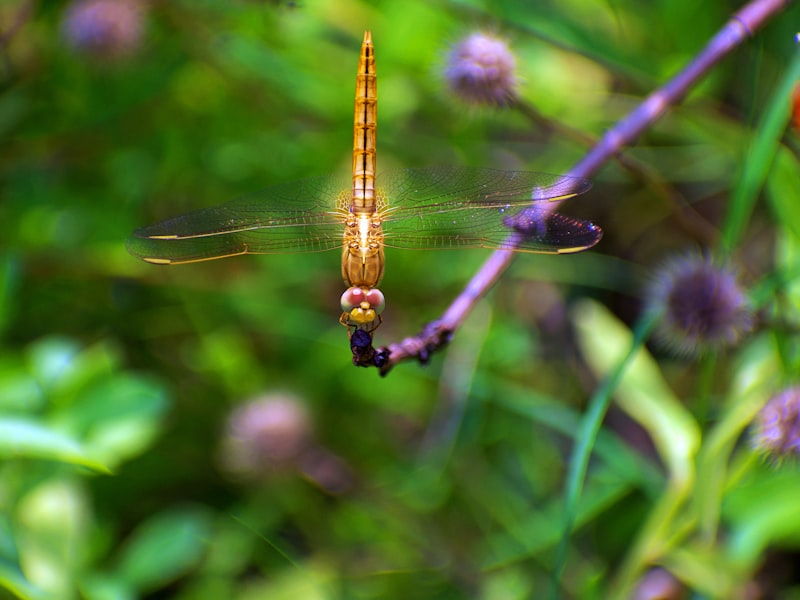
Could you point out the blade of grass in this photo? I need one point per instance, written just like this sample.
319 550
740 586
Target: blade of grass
589 429
759 157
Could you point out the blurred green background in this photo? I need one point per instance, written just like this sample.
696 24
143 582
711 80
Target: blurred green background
124 473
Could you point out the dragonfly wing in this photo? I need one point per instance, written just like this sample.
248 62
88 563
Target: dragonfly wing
540 231
302 216
428 190
463 207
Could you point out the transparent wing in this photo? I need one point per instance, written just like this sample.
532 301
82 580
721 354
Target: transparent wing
466 207
295 217
440 207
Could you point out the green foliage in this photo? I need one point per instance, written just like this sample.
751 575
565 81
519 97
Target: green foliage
148 444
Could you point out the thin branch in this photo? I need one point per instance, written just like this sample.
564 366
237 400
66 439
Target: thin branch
685 215
736 31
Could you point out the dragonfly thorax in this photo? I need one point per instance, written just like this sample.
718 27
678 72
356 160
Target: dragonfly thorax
362 253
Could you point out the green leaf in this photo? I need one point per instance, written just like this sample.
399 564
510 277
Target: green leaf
642 392
13 580
783 190
64 368
759 156
117 418
24 438
51 358
763 512
52 531
165 547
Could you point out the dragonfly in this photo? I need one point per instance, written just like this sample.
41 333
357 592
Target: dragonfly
417 208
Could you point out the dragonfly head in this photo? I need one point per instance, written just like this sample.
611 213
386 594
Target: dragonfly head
362 306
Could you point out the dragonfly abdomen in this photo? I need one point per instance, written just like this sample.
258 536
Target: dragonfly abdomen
365 130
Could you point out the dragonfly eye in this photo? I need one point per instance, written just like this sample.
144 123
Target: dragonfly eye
357 300
376 300
352 298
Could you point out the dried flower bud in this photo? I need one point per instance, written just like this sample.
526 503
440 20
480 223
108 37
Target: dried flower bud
659 584
265 435
701 305
104 29
327 470
480 70
777 426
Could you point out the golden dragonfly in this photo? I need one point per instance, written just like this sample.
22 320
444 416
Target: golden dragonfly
421 208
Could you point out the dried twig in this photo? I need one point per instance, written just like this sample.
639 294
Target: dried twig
739 28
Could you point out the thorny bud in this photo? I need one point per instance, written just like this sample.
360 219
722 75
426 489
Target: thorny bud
701 306
272 435
777 425
659 584
266 434
481 70
104 29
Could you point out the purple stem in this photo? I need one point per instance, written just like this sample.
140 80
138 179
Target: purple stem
741 26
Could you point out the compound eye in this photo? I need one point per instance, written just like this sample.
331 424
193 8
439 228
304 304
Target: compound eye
376 300
352 298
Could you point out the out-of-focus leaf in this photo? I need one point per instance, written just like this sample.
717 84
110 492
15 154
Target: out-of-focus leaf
755 378
541 529
9 279
164 548
52 530
64 368
619 457
51 358
19 391
311 583
783 190
759 157
763 512
14 581
507 584
642 393
11 576
117 418
103 587
708 572
24 438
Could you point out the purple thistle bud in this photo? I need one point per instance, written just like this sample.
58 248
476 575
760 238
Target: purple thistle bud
658 584
480 70
104 29
266 435
777 426
701 305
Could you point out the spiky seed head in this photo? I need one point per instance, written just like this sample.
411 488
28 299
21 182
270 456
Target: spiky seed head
701 306
104 29
481 71
776 431
267 434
